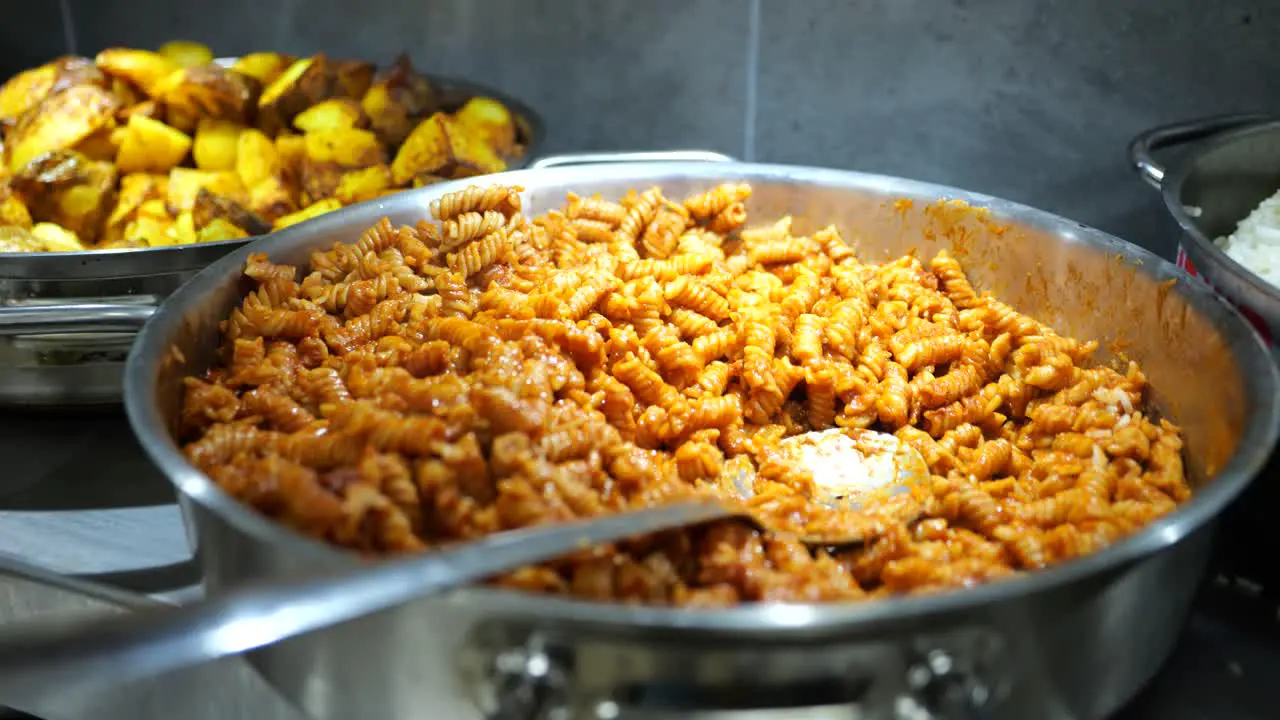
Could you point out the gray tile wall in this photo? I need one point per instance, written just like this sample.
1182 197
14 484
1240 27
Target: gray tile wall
1033 101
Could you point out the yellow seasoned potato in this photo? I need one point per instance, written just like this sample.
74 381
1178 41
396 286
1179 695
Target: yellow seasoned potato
330 153
210 91
145 69
491 121
68 189
364 184
217 144
29 88
256 158
473 156
14 239
185 184
181 119
149 227
290 148
313 210
331 114
219 229
209 207
304 84
102 144
265 67
59 122
151 146
182 231
186 53
397 100
13 212
352 78
318 180
426 151
440 146
57 238
146 108
273 198
135 189
348 147
135 148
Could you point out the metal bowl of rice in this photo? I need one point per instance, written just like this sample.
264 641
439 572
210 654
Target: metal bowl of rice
1225 193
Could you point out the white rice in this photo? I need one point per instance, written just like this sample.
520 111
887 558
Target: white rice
1256 242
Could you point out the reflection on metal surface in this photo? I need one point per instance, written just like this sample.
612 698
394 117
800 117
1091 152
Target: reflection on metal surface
229 689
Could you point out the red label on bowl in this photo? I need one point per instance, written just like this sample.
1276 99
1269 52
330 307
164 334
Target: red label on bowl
1254 318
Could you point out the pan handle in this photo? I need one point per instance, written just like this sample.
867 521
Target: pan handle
1142 147
629 157
85 317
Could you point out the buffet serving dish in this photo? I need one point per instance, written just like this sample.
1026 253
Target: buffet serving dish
1074 641
67 319
1231 163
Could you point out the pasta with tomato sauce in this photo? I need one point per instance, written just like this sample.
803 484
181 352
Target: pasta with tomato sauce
487 371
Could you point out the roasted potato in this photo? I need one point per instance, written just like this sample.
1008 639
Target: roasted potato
146 108
56 238
347 147
14 239
331 153
305 83
68 189
352 78
59 122
149 227
217 143
220 229
491 121
209 207
180 119
186 53
183 229
144 149
331 114
210 91
256 158
364 184
291 148
441 146
135 189
397 100
185 184
151 146
102 144
265 67
145 69
316 209
29 88
13 212
273 197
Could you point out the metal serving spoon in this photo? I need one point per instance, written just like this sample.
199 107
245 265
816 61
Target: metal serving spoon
49 656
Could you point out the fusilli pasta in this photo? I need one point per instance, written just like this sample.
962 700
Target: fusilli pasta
430 384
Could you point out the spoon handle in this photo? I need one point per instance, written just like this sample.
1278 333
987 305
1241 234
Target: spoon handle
47 657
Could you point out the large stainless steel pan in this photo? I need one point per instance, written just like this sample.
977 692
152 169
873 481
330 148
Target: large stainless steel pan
67 320
1072 642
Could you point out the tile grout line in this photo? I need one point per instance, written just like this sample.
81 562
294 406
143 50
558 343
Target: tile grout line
752 69
68 26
